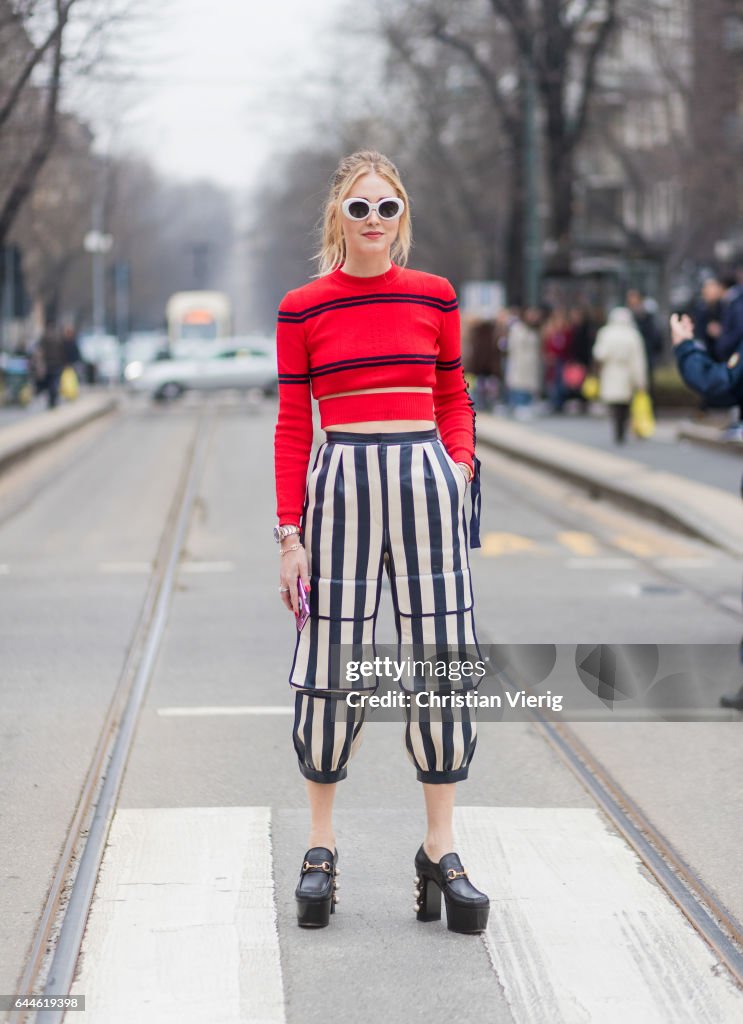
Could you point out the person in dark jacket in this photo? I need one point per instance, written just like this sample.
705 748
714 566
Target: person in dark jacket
731 336
52 348
652 339
721 384
707 313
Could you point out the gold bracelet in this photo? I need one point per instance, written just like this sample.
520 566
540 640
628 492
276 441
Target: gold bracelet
292 548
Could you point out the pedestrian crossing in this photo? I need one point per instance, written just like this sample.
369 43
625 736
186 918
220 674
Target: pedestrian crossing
183 926
577 548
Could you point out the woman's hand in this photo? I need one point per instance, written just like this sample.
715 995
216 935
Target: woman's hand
682 328
465 471
293 565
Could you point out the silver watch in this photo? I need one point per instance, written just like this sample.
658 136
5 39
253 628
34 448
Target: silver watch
282 532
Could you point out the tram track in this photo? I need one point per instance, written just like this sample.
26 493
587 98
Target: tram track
54 951
717 926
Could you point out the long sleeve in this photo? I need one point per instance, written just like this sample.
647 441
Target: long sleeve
721 384
639 365
453 407
293 433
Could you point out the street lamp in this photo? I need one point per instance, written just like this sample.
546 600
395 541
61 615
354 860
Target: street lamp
97 243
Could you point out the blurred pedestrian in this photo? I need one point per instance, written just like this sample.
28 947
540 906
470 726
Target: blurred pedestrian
620 351
583 338
721 384
483 361
71 349
523 375
730 337
557 336
707 313
643 312
51 345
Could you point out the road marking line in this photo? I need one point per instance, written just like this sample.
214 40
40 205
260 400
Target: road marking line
496 544
635 546
237 709
182 928
578 931
125 566
599 563
671 562
579 543
207 566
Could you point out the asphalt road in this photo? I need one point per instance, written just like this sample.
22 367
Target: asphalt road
78 532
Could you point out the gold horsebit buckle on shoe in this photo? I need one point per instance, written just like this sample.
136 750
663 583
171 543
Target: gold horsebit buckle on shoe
451 874
325 866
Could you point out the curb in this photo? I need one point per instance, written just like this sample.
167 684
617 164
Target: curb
695 509
710 438
20 439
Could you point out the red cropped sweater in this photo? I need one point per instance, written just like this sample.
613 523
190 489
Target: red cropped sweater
341 332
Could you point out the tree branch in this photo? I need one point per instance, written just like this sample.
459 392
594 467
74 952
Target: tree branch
28 173
438 30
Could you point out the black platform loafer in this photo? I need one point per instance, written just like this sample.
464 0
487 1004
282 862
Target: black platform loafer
316 890
467 908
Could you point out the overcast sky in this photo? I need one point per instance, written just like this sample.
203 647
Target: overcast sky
224 83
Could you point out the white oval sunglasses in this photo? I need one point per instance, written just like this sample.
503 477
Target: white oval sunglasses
359 209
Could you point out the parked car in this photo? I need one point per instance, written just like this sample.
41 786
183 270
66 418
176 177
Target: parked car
242 363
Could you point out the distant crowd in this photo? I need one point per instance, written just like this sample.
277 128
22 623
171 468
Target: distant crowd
540 358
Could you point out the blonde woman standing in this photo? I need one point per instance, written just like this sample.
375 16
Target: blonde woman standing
378 346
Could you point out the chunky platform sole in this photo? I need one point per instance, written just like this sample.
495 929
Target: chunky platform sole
459 917
315 913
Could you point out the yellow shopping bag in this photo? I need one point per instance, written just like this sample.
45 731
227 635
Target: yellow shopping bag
641 414
590 388
69 386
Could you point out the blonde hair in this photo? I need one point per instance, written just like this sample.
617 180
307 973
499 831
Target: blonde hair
332 252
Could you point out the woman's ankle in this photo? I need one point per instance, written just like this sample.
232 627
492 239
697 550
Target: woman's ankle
435 847
319 837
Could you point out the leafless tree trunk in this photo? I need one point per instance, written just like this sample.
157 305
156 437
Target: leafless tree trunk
27 173
555 38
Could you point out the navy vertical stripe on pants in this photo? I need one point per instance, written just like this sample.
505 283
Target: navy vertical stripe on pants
377 501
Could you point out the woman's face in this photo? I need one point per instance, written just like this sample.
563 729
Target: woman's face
372 235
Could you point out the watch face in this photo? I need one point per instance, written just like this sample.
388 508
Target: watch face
276 534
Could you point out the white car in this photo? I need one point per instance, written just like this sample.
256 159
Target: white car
241 363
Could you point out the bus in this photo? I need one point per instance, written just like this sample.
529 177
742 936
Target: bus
198 317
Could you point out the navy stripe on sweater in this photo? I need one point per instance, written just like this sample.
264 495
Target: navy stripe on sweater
444 305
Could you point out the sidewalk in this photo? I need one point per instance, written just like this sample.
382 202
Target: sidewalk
30 429
693 489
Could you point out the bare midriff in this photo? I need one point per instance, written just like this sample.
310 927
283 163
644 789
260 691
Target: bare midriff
379 426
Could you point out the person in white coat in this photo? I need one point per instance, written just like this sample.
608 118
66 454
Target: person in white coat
620 351
524 362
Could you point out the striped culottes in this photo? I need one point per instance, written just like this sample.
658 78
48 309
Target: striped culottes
389 502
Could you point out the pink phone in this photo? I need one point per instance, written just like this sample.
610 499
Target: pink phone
303 599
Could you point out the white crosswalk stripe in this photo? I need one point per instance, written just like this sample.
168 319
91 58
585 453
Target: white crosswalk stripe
578 931
183 929
183 924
